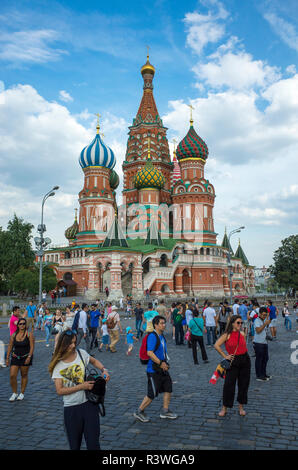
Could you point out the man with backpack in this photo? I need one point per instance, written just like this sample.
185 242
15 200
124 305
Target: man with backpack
114 325
159 379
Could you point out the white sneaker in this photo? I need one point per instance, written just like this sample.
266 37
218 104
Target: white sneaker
21 396
13 397
3 365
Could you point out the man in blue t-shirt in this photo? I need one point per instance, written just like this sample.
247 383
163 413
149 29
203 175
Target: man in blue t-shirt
273 312
243 311
30 314
94 315
159 379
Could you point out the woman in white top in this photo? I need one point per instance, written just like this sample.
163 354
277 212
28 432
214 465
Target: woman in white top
81 417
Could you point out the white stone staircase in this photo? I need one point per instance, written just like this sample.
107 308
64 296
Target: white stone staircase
158 272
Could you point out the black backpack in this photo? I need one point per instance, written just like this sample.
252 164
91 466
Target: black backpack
97 394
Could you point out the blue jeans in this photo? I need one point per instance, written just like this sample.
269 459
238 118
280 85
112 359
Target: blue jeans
288 323
48 330
210 329
138 328
39 321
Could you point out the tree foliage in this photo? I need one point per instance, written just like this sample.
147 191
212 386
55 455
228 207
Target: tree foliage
285 267
15 248
26 280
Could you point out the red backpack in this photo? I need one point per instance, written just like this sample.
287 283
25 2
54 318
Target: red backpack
144 358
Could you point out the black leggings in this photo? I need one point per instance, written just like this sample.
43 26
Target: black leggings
82 420
239 372
200 340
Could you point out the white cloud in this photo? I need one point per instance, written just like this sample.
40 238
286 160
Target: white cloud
291 69
65 96
204 29
285 30
236 71
29 46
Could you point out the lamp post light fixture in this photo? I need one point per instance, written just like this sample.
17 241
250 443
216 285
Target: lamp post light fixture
237 230
41 242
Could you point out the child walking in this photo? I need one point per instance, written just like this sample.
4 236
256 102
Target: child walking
129 340
105 336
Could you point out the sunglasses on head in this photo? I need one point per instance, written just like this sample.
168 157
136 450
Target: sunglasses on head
69 332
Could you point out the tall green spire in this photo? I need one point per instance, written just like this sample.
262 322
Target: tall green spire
115 236
153 235
225 242
240 254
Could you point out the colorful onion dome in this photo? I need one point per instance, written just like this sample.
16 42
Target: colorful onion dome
149 177
114 180
97 154
71 232
192 146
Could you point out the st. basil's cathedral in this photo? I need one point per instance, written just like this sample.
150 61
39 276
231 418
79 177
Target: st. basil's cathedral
162 237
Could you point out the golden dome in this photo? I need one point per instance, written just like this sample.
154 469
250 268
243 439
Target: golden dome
148 68
149 177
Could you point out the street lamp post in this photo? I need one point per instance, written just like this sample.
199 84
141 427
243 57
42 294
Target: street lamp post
230 264
41 242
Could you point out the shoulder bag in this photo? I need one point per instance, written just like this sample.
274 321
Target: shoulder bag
226 364
97 394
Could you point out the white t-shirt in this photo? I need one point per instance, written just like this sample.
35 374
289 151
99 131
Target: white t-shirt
188 316
259 338
210 314
72 373
41 312
83 321
104 330
235 309
286 311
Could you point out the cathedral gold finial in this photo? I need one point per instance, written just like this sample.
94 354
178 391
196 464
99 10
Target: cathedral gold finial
76 213
148 52
97 127
174 142
148 156
191 119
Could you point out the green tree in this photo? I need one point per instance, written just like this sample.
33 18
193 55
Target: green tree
26 280
15 248
285 267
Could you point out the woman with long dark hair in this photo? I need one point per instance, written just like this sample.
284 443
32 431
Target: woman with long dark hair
67 368
235 344
21 347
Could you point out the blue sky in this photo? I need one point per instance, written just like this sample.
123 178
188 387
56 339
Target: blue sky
234 61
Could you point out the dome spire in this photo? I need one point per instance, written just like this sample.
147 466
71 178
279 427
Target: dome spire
191 119
98 126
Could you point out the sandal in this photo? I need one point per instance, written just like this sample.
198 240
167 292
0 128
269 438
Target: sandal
222 413
242 412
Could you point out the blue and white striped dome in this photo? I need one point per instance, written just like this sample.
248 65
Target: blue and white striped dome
97 154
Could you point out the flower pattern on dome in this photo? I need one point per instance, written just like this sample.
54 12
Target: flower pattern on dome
192 146
149 177
97 154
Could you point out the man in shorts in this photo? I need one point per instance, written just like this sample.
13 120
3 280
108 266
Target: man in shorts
159 379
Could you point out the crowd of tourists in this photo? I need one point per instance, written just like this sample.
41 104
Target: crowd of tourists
98 328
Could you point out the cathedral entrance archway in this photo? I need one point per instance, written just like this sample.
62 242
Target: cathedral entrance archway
186 281
126 280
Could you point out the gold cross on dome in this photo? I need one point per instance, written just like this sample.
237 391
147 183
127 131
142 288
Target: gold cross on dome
149 157
148 52
174 142
76 213
191 108
98 127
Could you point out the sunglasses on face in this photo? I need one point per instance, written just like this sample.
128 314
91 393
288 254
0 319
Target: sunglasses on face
22 324
239 322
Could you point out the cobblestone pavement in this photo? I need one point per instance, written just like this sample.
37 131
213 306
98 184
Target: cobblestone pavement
272 410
